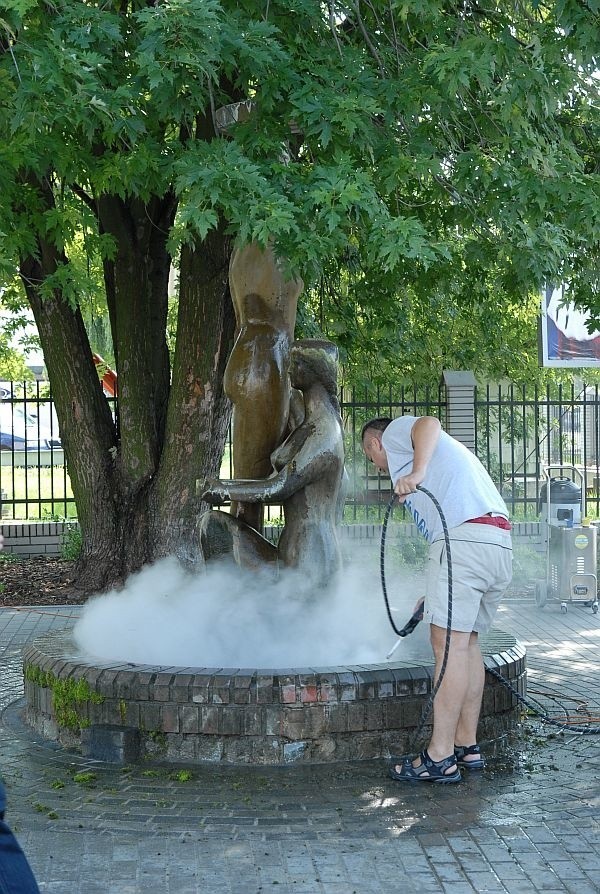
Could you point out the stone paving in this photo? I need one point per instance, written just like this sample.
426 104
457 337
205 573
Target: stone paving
529 823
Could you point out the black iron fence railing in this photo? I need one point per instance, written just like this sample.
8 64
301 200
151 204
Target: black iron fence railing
367 492
519 433
34 482
523 435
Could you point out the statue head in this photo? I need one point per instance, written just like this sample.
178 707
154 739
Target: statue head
314 360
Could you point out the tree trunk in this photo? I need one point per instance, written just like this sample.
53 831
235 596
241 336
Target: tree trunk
86 426
199 412
139 292
135 484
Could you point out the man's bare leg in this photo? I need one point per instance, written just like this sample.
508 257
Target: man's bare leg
458 701
466 730
452 694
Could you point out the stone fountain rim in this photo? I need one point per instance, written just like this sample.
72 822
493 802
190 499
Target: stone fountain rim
498 647
127 712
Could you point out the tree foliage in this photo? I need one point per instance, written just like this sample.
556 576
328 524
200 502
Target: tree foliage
435 140
421 165
12 363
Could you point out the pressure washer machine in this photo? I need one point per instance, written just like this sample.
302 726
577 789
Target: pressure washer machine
570 541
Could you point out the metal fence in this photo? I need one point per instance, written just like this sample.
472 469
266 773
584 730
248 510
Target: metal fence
367 492
525 434
519 433
34 483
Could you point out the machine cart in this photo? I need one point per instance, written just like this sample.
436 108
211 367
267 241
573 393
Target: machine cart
570 540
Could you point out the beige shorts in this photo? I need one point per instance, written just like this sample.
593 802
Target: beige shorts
481 557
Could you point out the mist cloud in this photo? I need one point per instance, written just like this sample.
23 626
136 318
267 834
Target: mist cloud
229 617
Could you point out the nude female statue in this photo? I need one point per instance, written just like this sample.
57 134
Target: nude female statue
307 480
256 377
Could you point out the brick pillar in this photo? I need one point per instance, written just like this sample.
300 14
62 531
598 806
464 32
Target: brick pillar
460 405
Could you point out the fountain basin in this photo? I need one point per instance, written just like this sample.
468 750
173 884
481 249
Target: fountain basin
131 712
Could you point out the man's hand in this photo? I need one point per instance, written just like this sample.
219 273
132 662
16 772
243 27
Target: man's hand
407 484
213 491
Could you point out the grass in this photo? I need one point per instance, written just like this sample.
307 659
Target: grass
45 494
39 493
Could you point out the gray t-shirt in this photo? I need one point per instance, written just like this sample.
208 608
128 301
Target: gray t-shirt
454 476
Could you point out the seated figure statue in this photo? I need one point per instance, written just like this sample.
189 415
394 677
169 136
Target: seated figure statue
307 480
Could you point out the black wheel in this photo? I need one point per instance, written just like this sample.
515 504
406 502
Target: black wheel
541 593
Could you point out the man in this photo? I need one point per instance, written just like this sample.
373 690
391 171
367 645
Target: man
414 451
15 875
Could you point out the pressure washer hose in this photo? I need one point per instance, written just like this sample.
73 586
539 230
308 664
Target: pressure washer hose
589 730
438 682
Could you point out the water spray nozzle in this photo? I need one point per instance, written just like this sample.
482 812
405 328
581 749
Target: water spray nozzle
410 625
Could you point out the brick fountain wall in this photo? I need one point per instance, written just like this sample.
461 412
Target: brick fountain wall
127 713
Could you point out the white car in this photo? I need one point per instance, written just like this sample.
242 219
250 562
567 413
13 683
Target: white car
22 430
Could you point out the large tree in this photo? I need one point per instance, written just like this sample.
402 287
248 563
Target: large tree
434 154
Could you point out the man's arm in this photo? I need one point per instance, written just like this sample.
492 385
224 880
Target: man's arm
425 435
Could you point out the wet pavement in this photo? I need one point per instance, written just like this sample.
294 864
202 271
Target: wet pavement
528 823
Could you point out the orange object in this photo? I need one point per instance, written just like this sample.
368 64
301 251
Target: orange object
109 376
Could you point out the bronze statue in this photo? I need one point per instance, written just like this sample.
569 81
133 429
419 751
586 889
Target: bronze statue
256 378
307 479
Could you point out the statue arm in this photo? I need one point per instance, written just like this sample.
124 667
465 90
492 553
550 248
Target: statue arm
291 447
278 487
291 478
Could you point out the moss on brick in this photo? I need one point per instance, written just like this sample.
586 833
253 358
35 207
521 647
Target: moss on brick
69 696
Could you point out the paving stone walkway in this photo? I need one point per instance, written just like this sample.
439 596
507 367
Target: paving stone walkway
529 823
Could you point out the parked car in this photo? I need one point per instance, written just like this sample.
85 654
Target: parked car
20 430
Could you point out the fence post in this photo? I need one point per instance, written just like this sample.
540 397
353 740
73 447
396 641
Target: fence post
460 405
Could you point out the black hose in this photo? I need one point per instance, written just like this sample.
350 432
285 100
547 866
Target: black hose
544 717
438 682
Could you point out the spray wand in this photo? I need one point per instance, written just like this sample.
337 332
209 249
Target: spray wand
408 628
418 613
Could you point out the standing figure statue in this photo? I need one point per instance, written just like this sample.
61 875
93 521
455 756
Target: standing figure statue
256 377
307 479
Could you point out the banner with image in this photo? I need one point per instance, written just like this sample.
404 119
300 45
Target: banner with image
564 337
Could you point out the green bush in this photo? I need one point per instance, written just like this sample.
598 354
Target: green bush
71 542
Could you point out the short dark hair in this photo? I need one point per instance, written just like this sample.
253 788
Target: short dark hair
379 424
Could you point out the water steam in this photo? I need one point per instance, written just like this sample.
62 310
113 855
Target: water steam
228 617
